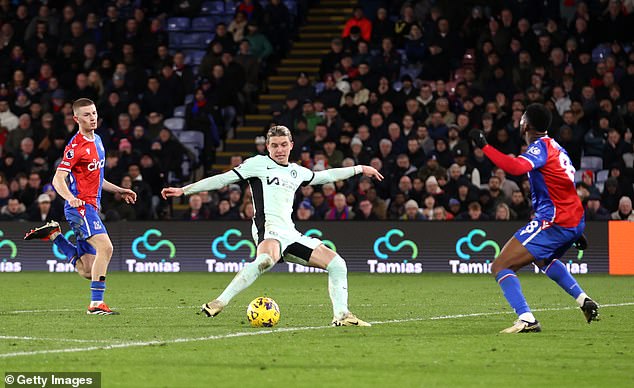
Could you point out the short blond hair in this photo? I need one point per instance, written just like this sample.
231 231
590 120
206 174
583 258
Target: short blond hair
80 103
278 130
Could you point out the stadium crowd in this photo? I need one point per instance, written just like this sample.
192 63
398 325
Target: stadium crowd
399 90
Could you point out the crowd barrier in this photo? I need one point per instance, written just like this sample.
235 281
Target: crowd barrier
375 247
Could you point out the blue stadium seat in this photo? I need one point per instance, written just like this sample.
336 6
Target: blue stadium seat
178 24
176 39
189 98
212 8
230 7
203 23
197 40
292 7
591 163
578 176
194 57
602 175
179 111
193 140
175 124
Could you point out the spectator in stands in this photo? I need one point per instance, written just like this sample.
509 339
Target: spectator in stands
196 211
359 20
594 210
277 22
503 212
7 118
260 45
305 211
412 212
14 210
474 213
225 36
156 98
624 212
238 26
42 210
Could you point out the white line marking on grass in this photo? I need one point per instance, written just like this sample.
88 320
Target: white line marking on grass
15 337
273 331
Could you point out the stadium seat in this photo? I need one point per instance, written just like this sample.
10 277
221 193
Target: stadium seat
193 140
230 7
179 111
189 98
212 8
178 24
600 186
292 7
602 175
176 39
175 124
629 160
591 163
203 24
578 176
194 57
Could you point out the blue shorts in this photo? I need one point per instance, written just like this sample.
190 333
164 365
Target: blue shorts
85 222
546 241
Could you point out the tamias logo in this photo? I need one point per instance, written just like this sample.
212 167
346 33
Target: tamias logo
404 266
152 266
222 243
473 267
6 263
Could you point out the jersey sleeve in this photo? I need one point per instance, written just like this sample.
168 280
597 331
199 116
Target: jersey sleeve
69 160
250 168
306 175
536 154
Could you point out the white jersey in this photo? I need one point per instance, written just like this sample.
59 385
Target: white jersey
273 186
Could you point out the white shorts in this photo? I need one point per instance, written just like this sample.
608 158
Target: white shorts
293 244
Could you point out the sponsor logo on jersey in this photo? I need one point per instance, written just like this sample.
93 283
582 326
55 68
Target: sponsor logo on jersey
534 151
96 164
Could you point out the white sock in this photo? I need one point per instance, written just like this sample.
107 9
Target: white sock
338 286
246 277
582 297
96 303
528 317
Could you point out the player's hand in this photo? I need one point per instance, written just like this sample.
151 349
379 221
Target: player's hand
478 138
76 202
581 243
172 192
372 172
128 196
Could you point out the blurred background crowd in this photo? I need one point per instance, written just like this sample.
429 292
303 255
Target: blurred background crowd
399 90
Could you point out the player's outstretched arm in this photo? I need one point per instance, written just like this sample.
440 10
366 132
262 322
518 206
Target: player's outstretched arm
511 165
128 195
212 183
337 174
59 182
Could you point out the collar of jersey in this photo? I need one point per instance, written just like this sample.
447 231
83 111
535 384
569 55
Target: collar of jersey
274 161
88 139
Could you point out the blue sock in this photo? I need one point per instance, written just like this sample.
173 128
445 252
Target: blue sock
97 289
68 249
557 271
510 285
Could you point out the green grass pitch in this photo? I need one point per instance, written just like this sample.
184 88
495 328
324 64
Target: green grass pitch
429 330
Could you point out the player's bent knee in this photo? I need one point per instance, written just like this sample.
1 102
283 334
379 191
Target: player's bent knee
264 262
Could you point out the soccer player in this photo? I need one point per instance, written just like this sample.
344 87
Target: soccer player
79 179
273 182
558 223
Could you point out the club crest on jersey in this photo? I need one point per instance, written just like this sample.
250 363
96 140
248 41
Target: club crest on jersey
96 225
70 154
534 150
88 151
294 173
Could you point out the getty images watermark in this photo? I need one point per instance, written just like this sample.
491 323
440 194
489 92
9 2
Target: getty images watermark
53 379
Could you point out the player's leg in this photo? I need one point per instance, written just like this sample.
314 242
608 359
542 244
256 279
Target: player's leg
557 271
84 265
513 257
51 231
103 247
325 258
268 253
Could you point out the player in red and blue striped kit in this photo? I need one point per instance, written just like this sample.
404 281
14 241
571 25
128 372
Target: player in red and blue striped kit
558 223
79 179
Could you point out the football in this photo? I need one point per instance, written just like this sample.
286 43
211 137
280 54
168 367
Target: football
263 312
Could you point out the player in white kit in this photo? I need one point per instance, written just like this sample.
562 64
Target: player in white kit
273 182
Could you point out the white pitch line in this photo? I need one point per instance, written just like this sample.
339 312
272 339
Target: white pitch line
15 337
273 331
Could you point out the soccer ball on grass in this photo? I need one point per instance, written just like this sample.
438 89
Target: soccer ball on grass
263 312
